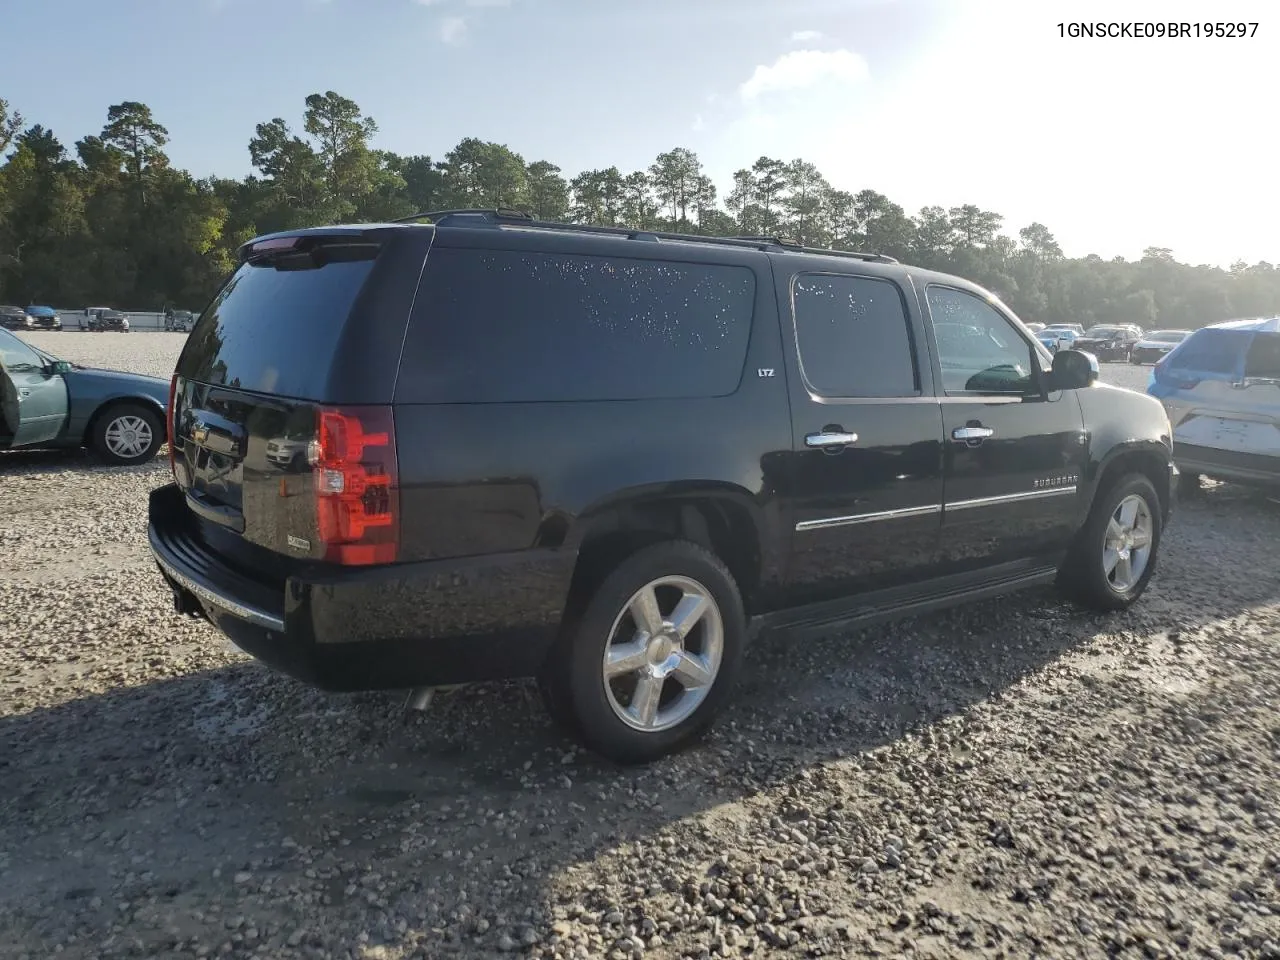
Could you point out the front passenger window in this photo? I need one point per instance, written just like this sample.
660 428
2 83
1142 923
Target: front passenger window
980 351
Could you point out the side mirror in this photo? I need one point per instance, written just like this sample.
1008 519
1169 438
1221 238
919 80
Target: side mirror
1073 370
60 367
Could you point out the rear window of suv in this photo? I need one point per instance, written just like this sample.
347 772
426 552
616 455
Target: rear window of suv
274 328
504 326
1211 351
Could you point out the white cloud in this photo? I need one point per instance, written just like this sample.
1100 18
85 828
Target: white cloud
453 30
806 36
488 3
802 69
428 3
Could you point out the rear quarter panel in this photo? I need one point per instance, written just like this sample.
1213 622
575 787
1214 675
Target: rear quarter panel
490 478
87 394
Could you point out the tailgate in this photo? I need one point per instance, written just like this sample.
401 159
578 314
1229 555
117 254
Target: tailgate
308 324
241 460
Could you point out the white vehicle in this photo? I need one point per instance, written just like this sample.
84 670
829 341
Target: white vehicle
1156 345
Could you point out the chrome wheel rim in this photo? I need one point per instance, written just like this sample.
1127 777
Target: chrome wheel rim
663 654
1126 549
128 436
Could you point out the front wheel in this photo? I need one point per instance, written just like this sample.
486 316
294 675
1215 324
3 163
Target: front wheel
1114 556
652 657
127 434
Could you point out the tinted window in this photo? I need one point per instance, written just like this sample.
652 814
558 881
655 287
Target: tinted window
1210 351
508 326
16 355
1263 358
853 337
979 350
275 330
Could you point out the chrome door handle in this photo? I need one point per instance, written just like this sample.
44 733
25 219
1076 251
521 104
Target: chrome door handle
966 434
830 439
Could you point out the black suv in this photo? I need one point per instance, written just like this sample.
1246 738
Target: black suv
605 458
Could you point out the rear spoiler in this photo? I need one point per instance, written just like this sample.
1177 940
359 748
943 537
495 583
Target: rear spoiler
274 243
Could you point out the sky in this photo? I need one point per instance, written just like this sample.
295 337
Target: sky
1116 144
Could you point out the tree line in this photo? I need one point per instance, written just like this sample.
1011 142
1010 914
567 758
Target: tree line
112 221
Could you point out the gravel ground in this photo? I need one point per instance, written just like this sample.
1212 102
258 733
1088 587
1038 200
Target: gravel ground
1013 779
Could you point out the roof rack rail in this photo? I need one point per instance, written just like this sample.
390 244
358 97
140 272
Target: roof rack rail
779 241
790 243
501 213
522 220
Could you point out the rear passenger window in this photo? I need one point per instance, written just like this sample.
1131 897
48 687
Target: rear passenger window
1263 358
1210 351
853 337
501 326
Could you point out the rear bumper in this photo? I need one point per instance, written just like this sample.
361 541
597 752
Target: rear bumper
1254 468
376 628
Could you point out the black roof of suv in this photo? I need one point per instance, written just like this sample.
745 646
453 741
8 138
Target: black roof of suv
602 457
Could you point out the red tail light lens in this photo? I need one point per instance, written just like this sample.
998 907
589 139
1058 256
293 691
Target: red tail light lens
170 418
357 488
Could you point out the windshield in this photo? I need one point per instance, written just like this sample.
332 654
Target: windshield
1100 332
1167 336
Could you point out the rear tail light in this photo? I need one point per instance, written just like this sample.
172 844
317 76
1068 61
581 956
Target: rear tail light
353 459
170 419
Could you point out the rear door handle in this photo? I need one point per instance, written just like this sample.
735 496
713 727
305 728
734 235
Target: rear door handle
970 434
825 440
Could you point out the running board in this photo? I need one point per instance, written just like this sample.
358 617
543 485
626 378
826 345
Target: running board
831 615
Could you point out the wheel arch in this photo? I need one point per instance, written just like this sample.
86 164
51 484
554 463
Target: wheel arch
117 400
1148 457
722 517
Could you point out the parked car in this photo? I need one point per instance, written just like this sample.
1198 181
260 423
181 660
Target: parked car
1109 342
45 318
1074 328
603 457
1155 345
111 320
1221 389
87 319
16 318
1035 327
47 402
180 321
1056 338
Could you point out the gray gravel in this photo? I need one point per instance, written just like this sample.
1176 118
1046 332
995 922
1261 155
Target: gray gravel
1014 779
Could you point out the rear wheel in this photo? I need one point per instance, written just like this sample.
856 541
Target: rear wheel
652 657
127 433
1114 556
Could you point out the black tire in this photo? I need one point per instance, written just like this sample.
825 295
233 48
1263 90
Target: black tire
102 447
573 683
1083 576
1189 485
